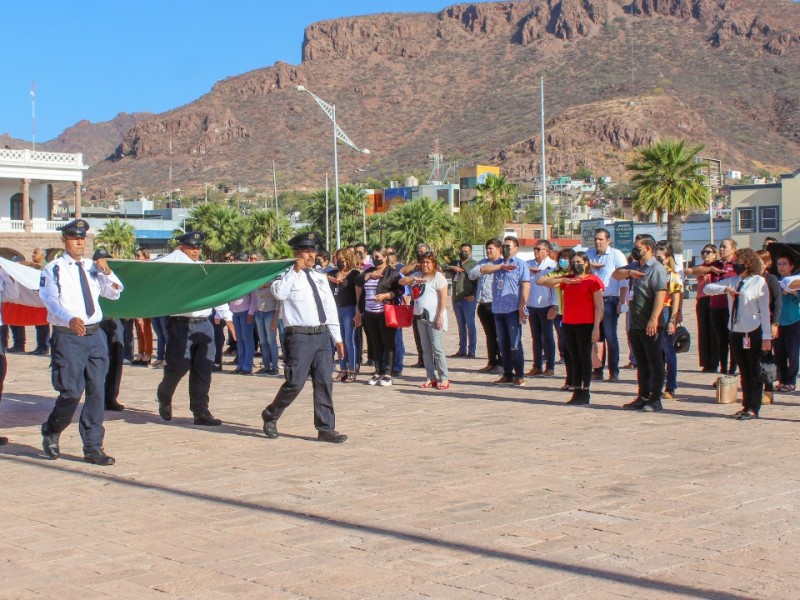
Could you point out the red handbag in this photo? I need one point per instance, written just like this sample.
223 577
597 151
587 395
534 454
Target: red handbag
398 315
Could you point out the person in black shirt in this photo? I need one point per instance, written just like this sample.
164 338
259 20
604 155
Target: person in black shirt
343 284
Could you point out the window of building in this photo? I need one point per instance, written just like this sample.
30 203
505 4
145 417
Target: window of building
769 218
745 219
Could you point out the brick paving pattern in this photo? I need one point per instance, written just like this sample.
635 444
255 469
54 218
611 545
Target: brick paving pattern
478 492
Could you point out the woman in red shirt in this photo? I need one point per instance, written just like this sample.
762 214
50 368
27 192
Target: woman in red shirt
583 311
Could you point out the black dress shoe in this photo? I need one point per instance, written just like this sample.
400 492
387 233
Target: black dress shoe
334 437
165 410
270 426
207 419
16 350
115 406
262 371
50 443
98 457
236 371
652 406
217 368
244 372
41 351
637 404
581 398
457 355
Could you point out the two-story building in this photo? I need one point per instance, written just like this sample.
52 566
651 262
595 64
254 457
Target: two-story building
771 209
26 198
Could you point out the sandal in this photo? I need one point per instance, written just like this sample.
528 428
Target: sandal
430 384
785 387
738 414
341 376
351 377
444 386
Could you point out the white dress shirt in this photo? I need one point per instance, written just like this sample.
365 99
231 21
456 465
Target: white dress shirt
60 290
612 259
299 307
221 312
541 296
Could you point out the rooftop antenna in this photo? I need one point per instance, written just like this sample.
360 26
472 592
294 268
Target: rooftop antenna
436 158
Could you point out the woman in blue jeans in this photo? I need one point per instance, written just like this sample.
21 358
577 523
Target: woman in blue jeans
343 284
671 316
244 310
266 317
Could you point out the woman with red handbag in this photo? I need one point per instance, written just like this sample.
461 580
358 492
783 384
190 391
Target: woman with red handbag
376 286
429 289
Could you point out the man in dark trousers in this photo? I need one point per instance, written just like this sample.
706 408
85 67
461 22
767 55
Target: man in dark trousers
311 320
116 351
190 345
70 288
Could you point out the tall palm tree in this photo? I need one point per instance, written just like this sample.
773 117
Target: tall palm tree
261 233
421 220
222 225
118 238
351 209
668 179
496 200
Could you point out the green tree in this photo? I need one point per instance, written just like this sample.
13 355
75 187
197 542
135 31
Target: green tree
223 226
118 238
261 233
667 179
351 213
421 220
496 200
583 173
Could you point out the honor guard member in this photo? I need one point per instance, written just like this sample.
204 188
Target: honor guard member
70 288
190 346
311 320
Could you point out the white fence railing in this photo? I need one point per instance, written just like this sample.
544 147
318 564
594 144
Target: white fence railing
37 225
41 158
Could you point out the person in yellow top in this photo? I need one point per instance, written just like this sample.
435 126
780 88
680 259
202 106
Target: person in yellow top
671 315
563 258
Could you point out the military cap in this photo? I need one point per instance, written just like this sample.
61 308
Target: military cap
304 240
101 253
76 228
192 238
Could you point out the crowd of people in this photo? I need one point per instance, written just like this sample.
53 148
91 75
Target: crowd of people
348 306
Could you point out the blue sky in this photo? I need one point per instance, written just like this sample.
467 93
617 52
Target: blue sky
93 59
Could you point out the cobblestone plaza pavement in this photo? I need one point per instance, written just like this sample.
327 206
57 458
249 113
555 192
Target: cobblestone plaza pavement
477 492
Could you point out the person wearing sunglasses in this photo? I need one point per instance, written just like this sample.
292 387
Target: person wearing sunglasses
708 351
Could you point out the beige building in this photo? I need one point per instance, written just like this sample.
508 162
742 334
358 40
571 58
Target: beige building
772 209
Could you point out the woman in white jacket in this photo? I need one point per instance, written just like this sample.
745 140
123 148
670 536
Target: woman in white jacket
749 325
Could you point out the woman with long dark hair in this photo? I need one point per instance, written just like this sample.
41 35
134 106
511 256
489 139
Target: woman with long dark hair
376 286
343 283
707 345
583 312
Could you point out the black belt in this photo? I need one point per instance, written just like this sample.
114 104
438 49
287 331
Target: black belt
307 330
90 329
190 319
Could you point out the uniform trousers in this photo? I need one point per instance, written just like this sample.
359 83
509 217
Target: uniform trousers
306 354
190 348
79 362
116 355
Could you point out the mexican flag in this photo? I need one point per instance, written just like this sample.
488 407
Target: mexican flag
152 288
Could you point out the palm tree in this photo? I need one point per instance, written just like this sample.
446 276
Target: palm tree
496 201
421 220
261 233
668 179
223 226
351 208
118 238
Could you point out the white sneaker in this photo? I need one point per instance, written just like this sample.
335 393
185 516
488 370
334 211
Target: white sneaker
386 381
375 379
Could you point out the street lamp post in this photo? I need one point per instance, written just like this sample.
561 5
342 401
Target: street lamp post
338 134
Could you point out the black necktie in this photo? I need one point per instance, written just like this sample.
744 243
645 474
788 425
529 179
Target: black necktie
88 303
317 298
736 304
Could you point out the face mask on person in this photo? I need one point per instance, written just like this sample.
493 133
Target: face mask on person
377 262
637 253
506 252
579 268
563 263
738 268
340 264
463 255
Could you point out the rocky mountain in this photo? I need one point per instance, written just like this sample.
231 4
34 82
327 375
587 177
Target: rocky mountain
97 141
617 74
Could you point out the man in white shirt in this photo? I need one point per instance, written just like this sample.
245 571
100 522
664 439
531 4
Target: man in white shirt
541 302
310 321
70 288
190 345
604 260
